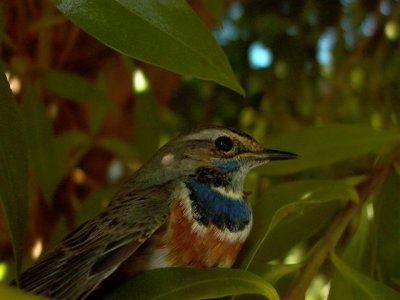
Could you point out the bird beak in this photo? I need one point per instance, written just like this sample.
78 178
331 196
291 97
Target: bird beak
268 155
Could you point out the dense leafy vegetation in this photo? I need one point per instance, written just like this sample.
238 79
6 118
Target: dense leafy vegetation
88 94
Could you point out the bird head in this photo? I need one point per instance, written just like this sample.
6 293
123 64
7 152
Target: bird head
224 151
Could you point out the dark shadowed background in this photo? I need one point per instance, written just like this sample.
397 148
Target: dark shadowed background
321 79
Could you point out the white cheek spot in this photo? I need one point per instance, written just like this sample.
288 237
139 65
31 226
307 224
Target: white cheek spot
167 159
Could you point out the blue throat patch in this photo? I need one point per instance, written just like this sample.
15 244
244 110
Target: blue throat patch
227 165
210 206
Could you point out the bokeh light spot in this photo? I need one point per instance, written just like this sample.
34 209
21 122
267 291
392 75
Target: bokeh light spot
391 30
116 170
260 56
37 249
3 271
140 82
325 45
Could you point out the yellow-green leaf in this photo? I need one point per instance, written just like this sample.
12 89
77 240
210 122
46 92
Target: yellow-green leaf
370 288
11 293
325 145
190 283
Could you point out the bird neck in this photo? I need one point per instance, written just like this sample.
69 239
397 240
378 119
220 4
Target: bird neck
215 201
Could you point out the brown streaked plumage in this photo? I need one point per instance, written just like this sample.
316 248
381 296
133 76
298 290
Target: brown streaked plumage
184 207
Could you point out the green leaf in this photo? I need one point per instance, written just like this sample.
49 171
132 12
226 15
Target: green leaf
167 34
73 87
118 147
78 89
357 253
356 256
7 292
275 272
291 231
190 283
70 147
14 169
40 140
300 206
387 218
368 287
321 146
318 191
147 125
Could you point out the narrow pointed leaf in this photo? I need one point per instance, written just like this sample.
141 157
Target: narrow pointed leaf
296 229
167 34
357 256
387 218
274 272
73 87
119 147
321 146
368 287
78 89
188 283
14 169
291 203
40 140
70 147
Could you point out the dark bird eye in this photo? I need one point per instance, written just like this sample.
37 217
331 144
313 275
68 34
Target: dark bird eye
224 143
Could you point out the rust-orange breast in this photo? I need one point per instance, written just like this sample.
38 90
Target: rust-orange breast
197 248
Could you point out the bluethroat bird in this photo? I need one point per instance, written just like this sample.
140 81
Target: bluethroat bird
185 207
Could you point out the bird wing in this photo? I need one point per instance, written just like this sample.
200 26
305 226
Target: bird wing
95 249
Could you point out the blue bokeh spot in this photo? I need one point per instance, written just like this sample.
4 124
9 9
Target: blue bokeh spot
260 56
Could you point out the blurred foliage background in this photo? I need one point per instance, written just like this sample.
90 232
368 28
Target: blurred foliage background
321 79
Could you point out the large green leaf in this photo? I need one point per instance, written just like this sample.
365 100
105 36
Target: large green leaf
366 286
11 293
387 221
73 87
14 169
321 146
119 147
40 140
354 256
78 89
295 229
275 272
188 283
164 33
288 213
